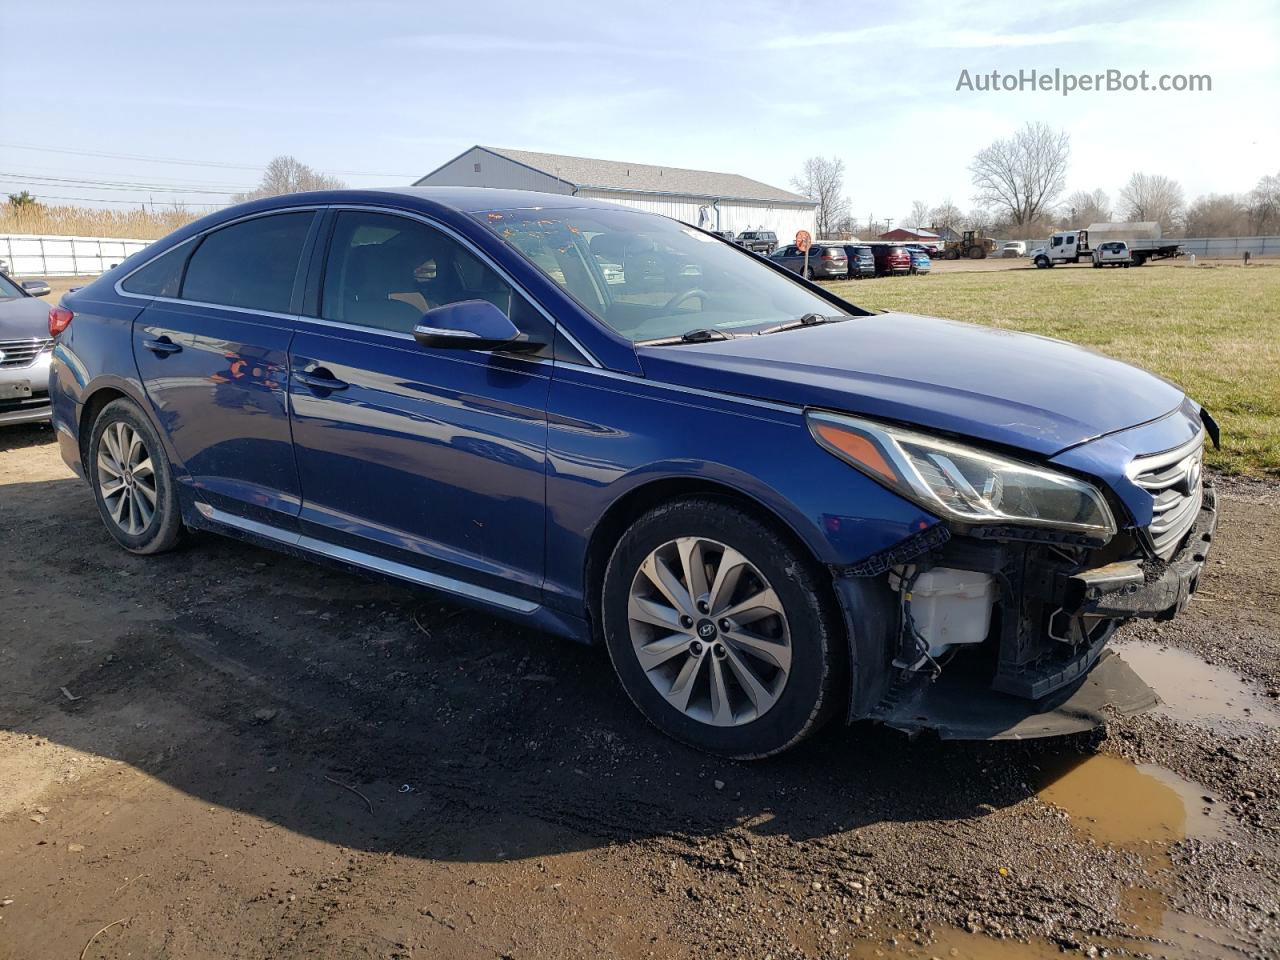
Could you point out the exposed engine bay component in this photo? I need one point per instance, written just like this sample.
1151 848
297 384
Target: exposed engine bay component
944 607
989 638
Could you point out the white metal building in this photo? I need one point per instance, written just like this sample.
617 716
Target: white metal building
714 201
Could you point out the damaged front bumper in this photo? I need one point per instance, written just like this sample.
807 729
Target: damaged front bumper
1043 669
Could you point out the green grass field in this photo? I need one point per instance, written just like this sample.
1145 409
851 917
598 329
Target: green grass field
1215 331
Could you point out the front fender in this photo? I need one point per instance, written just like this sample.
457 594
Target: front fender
610 436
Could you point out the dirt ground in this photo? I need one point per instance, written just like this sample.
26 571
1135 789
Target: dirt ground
223 752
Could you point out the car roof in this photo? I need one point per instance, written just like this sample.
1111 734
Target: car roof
460 199
438 201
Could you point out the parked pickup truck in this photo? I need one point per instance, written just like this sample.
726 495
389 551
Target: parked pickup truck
758 241
1113 253
1073 246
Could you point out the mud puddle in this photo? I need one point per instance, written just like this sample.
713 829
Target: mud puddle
959 945
1129 805
1171 935
1145 808
1196 692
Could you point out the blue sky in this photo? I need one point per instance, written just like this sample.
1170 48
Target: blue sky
379 92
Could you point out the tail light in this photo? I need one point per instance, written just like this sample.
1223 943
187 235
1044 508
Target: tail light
59 319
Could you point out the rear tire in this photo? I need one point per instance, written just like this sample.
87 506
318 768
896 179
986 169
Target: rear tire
744 684
131 480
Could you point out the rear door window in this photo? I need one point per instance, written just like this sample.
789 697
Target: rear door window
251 264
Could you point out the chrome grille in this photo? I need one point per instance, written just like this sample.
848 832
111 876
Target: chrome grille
21 353
1177 490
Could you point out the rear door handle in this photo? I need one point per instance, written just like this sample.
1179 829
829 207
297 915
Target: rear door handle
162 347
320 379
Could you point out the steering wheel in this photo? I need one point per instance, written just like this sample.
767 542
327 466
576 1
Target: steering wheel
681 297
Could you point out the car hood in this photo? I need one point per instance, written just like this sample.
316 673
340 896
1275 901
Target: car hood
24 318
1013 389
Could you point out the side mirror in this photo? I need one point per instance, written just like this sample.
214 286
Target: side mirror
470 325
37 288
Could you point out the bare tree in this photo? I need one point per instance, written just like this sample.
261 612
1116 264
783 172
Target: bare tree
1217 215
1084 207
945 216
919 215
979 220
822 180
1264 206
846 226
1150 196
1024 173
286 174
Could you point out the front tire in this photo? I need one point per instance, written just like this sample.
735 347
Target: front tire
720 632
131 480
1042 263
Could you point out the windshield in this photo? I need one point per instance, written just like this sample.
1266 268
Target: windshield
651 278
8 289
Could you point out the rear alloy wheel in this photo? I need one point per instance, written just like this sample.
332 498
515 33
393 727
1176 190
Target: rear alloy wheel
717 630
131 482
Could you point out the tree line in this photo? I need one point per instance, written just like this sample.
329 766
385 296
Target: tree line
1019 184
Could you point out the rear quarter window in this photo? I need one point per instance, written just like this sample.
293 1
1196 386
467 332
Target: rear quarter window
162 277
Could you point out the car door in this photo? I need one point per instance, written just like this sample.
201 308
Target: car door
430 458
212 351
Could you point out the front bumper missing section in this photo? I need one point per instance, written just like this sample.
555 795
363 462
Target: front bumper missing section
960 707
1131 589
1060 697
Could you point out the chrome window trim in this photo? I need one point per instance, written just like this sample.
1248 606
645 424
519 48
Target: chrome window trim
370 208
356 328
216 306
398 335
368 561
303 208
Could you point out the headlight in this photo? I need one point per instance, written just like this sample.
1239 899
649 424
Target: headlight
963 483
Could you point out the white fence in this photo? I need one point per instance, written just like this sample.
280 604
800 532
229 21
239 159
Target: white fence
29 255
1231 248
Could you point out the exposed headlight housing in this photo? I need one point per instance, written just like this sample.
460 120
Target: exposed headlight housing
963 483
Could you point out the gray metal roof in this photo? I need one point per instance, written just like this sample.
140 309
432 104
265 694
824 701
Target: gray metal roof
585 173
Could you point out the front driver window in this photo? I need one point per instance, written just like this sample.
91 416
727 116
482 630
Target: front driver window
386 271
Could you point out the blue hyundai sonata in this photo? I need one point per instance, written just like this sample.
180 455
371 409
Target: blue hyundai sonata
772 507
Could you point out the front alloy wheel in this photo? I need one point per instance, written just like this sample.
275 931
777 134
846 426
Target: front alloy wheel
709 631
722 629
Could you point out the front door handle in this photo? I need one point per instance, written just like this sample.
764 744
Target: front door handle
320 379
162 347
